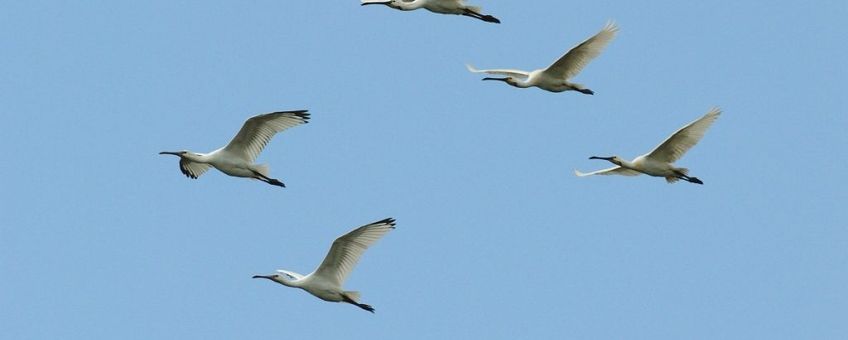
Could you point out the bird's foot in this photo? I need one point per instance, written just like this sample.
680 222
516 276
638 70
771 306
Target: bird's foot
489 18
365 307
695 180
272 181
586 91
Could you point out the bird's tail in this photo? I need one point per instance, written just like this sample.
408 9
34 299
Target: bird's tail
475 9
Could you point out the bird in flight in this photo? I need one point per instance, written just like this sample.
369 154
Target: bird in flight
659 162
237 158
555 78
436 6
326 281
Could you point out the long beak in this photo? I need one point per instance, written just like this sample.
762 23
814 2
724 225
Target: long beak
376 3
169 153
261 277
501 79
604 158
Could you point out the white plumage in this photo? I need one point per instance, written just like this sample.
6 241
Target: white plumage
327 280
659 162
237 158
555 78
457 7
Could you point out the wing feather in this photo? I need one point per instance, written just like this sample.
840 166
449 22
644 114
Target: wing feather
684 139
573 61
192 169
616 170
506 72
258 130
347 249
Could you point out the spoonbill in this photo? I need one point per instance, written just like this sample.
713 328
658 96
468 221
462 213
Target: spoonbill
436 6
555 78
237 157
326 281
659 161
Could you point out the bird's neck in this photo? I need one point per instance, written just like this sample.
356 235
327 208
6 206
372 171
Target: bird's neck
628 164
198 158
409 6
287 282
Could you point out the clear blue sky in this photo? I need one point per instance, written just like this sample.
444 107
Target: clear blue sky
101 238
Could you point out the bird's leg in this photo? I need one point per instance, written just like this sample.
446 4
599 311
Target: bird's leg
578 88
688 178
487 18
694 180
347 299
268 180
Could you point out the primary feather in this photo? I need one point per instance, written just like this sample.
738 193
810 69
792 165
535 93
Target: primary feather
258 130
684 139
348 248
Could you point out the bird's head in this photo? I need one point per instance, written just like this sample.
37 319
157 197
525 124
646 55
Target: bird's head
614 159
509 80
391 3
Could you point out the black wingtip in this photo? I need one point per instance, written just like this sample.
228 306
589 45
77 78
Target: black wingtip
390 221
302 114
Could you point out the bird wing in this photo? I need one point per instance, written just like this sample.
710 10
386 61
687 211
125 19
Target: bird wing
506 72
573 61
684 139
346 250
616 170
258 130
192 169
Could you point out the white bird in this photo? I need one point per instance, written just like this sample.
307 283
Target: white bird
659 161
237 158
436 6
555 78
327 280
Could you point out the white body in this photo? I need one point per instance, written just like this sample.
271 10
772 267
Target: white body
326 281
237 158
660 161
555 78
457 7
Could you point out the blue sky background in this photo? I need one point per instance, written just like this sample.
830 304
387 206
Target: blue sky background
100 237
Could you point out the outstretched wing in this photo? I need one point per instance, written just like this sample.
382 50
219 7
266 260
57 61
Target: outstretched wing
505 72
684 139
616 170
192 169
573 61
346 250
258 130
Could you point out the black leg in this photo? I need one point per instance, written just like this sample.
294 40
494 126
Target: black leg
347 299
269 180
486 18
687 178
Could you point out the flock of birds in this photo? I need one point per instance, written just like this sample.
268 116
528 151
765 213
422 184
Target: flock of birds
238 157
